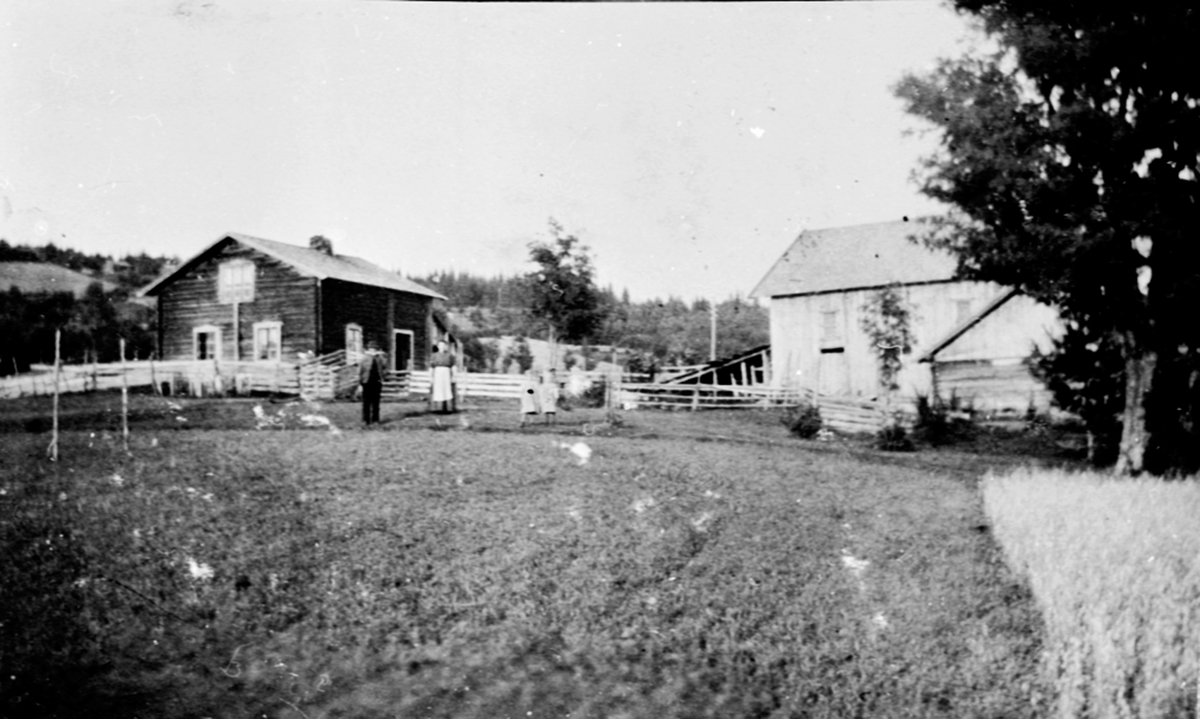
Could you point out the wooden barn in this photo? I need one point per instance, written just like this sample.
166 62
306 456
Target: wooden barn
818 290
246 299
975 362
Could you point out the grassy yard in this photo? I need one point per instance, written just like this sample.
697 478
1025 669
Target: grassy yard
696 565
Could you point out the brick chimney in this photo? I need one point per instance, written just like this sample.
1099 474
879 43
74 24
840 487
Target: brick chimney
321 243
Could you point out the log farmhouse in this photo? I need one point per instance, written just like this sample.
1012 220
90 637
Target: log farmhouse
249 300
971 338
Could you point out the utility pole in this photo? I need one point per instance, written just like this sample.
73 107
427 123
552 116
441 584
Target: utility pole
712 345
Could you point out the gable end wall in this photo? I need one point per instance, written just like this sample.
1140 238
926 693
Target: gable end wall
280 294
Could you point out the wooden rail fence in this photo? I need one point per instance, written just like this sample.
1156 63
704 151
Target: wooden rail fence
329 377
176 377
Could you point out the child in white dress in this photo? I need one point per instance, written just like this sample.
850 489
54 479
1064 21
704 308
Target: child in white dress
529 397
548 397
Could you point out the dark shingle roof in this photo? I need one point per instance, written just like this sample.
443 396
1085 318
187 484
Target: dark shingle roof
315 264
856 257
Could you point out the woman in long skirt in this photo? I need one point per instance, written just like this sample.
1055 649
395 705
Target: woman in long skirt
442 363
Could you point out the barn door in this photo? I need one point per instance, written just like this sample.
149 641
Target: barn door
833 374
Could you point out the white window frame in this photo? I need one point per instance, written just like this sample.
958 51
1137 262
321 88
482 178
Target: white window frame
215 352
268 325
354 350
831 332
235 281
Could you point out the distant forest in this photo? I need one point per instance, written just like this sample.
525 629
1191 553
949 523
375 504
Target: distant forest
92 326
656 332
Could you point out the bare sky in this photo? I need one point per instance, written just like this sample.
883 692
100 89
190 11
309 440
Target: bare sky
687 144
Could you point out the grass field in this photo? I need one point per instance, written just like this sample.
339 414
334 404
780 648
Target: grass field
697 565
1113 566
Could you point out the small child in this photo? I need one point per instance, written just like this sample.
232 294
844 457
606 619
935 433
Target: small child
529 397
549 397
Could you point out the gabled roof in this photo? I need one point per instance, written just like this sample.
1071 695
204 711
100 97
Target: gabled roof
997 302
34 277
856 257
312 263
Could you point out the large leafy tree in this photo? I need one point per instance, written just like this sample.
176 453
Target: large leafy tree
1069 156
562 291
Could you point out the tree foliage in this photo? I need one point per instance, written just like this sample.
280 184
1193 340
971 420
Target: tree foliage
92 327
562 292
1070 157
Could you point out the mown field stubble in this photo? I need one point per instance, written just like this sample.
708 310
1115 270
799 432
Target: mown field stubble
419 571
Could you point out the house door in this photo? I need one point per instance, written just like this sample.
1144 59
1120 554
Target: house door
402 350
833 375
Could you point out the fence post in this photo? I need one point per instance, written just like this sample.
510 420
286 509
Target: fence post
124 398
53 449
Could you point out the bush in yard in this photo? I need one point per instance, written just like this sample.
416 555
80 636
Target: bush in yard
939 424
894 438
804 422
595 395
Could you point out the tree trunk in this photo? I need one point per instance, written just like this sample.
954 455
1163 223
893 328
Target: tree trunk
1135 437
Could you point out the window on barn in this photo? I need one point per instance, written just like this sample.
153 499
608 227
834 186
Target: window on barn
267 341
962 311
829 326
235 282
354 342
206 342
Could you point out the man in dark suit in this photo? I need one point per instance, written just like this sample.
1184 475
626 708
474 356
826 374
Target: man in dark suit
370 378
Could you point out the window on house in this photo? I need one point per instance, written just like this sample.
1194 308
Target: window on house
962 311
354 342
235 282
267 344
829 326
206 342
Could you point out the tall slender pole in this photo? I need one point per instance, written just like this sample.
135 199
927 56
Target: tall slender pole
54 434
712 346
124 398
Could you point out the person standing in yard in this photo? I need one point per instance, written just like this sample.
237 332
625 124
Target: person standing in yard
442 364
548 396
370 378
529 397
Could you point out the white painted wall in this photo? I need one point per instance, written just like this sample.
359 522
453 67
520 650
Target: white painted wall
797 339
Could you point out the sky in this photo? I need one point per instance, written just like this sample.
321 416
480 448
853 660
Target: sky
686 144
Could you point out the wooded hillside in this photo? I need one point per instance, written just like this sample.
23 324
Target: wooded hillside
659 331
92 323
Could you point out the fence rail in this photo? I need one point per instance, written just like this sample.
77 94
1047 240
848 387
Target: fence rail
706 396
329 376
175 377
